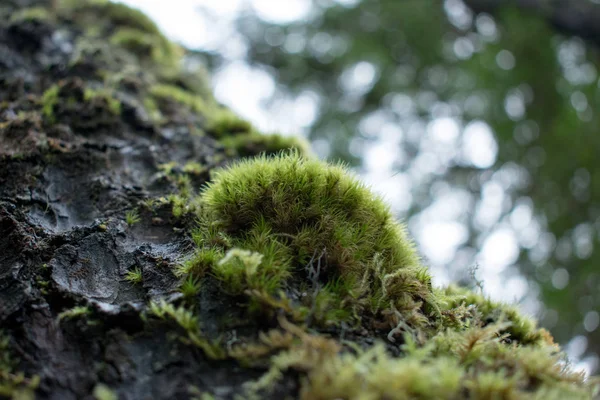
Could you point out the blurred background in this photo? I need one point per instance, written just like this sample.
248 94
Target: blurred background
478 121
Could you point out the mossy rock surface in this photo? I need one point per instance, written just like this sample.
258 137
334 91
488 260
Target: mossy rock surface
155 245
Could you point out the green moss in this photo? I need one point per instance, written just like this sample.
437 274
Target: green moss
31 14
194 168
314 219
69 96
190 287
190 324
200 262
103 392
223 122
474 364
49 100
132 217
75 312
255 143
13 384
103 95
134 276
145 46
119 14
161 93
480 310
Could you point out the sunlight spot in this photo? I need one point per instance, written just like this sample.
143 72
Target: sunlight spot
479 146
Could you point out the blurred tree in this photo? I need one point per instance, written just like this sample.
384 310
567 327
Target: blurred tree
500 107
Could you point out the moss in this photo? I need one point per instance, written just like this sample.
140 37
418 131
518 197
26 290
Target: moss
103 392
475 364
255 143
190 324
31 14
161 93
132 217
481 311
223 122
194 168
91 95
75 312
317 220
13 384
147 47
134 276
49 100
96 11
190 287
200 262
83 107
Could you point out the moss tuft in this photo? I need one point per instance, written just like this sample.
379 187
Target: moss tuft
314 225
162 94
31 14
255 143
145 46
134 276
224 123
132 217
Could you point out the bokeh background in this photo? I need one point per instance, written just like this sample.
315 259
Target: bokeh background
478 121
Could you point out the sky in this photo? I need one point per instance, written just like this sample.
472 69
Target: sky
208 25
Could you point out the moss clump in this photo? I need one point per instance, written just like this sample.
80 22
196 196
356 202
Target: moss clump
84 108
475 364
315 226
145 46
225 123
255 143
31 14
520 328
164 94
